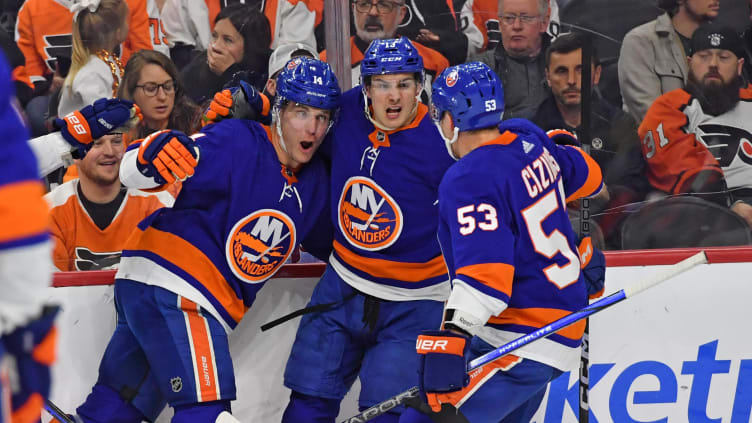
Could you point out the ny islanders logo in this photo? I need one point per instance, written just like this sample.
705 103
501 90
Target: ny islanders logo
452 78
259 244
368 217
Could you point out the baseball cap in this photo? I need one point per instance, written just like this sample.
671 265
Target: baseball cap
282 54
710 35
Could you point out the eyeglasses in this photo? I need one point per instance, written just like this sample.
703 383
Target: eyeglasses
383 7
150 88
509 19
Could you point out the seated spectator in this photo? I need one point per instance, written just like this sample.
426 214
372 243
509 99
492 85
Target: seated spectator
518 59
186 23
698 139
95 70
152 81
92 216
239 42
379 20
21 82
653 55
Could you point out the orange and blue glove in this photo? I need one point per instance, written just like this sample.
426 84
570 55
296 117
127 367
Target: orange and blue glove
593 265
167 156
563 137
443 365
33 347
106 115
239 102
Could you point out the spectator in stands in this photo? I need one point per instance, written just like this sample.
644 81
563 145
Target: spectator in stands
613 140
43 33
653 57
518 59
95 70
378 20
152 81
21 82
92 216
698 139
186 23
239 42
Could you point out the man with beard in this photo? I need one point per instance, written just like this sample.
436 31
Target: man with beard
699 139
93 215
652 58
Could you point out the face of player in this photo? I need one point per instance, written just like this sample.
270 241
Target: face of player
380 21
702 10
303 129
101 165
156 106
715 67
393 98
564 76
521 27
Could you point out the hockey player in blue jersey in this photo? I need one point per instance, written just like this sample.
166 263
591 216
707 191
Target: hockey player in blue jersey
190 272
511 253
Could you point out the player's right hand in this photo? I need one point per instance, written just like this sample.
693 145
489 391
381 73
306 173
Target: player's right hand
167 155
563 137
239 102
443 365
81 127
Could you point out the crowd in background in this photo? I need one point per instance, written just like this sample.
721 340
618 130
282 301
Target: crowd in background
675 162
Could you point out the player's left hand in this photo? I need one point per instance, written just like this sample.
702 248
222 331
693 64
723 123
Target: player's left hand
33 347
593 265
563 137
443 365
81 127
241 101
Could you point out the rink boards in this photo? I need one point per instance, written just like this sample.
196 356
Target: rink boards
678 352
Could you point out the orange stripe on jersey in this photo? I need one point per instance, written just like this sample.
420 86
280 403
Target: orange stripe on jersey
594 179
30 411
504 139
29 217
187 257
45 352
496 275
537 318
202 351
387 269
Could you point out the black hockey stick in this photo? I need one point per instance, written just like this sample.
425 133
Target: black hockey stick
543 332
56 412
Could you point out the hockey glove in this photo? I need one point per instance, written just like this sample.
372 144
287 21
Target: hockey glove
239 102
106 115
563 137
33 348
167 155
443 365
593 265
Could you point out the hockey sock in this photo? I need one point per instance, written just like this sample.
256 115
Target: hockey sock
200 412
104 405
306 408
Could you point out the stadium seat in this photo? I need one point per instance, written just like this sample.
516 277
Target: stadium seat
683 222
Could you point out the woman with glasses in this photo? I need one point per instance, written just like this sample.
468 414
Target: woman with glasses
152 81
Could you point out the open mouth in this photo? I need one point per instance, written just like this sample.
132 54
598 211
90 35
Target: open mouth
393 112
306 145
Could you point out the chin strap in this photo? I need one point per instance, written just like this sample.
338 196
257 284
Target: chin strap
449 141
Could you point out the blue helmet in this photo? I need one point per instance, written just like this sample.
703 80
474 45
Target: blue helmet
471 93
396 55
308 81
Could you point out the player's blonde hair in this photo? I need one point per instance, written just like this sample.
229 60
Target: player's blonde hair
95 31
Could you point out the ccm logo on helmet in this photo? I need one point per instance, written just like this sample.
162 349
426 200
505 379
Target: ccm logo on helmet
431 345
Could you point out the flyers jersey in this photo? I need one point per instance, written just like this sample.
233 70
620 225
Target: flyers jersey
508 242
383 204
433 61
25 270
679 140
79 243
233 225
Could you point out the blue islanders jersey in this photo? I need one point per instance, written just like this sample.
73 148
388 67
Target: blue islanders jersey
508 242
233 225
25 254
383 204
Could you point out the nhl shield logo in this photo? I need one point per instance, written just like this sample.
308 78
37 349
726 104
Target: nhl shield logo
177 384
259 244
369 218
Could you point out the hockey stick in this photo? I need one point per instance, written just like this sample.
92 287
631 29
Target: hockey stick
543 332
56 412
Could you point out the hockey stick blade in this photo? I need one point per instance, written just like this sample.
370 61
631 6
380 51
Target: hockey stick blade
56 412
545 331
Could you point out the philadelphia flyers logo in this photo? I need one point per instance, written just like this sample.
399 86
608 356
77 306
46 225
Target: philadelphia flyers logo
452 78
259 244
727 142
368 216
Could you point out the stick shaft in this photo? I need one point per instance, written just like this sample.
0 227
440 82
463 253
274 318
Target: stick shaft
56 412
